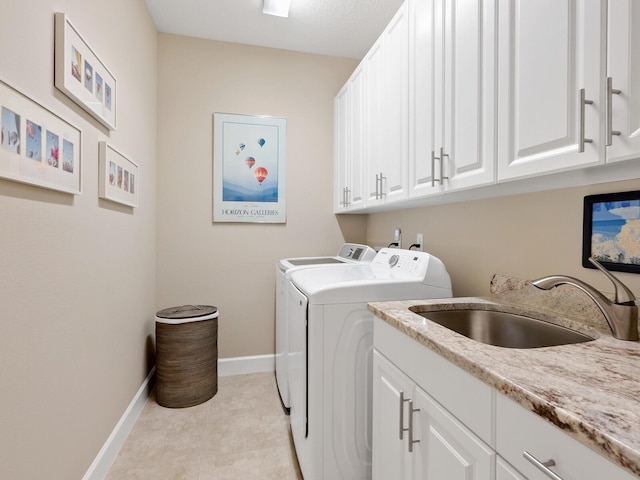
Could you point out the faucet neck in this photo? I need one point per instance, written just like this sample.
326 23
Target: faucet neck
622 293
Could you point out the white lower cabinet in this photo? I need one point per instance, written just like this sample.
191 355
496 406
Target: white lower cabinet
434 421
414 437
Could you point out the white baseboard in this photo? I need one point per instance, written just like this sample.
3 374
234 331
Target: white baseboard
109 451
241 365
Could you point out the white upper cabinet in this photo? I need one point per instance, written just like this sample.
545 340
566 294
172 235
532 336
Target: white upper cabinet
387 104
459 94
550 86
349 144
623 82
452 88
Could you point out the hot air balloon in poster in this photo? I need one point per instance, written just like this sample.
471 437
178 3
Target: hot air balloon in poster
261 173
261 142
250 161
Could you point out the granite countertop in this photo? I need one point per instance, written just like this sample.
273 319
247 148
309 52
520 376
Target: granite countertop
590 390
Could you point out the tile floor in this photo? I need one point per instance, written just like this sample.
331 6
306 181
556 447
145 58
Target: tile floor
241 433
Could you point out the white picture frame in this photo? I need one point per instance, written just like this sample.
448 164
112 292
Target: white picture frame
249 168
119 179
37 146
82 76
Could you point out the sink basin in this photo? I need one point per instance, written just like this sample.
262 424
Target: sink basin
504 329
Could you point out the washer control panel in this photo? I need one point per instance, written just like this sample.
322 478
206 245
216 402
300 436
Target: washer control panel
398 263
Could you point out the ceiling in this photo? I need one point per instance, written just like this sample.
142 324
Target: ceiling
342 28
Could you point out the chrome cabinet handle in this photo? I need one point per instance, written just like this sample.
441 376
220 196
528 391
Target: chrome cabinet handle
345 197
542 466
411 440
401 415
583 102
610 92
379 178
442 156
377 191
433 168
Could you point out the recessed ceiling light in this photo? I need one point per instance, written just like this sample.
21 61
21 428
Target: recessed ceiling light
279 8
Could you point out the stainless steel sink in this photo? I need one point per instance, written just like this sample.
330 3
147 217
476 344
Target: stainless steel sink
503 329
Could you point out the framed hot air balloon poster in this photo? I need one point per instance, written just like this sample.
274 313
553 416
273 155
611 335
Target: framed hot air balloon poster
37 146
249 157
81 75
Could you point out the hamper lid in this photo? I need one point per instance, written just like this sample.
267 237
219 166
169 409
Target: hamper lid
186 313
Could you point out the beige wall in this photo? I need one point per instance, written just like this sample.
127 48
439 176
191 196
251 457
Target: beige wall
526 236
232 266
76 274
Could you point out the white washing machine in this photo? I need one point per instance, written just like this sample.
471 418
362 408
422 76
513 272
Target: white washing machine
331 354
349 253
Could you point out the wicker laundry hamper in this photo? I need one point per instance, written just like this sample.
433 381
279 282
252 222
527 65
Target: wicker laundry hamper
186 355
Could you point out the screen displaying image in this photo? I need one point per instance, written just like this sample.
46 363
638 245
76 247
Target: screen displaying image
616 231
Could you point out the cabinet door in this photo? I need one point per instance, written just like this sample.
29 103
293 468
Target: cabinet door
548 51
390 386
452 95
504 471
375 134
623 45
446 448
425 59
396 107
349 138
355 193
387 120
341 140
468 93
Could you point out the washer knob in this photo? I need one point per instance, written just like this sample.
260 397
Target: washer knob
393 260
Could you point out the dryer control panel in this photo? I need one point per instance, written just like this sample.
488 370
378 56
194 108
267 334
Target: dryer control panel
354 251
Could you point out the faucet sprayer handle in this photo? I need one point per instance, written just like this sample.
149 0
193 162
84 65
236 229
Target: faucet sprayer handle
622 293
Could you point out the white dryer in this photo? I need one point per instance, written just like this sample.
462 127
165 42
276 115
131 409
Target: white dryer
349 253
331 354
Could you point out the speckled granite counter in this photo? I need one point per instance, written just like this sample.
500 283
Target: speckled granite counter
590 390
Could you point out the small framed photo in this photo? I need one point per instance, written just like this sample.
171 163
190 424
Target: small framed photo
38 147
81 75
118 176
611 231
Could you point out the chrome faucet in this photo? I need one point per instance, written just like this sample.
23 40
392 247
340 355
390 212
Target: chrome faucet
621 314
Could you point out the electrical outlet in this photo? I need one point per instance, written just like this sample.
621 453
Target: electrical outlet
397 237
420 241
